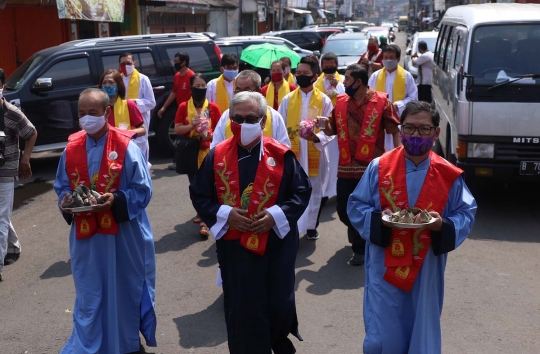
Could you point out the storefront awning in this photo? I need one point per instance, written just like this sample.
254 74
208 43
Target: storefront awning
298 11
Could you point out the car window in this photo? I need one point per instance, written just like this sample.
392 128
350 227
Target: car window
69 73
199 60
437 53
295 38
457 59
143 61
311 37
448 58
232 49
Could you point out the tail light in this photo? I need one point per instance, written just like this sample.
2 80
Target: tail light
323 41
218 51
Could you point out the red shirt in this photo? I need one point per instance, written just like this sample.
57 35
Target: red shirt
181 115
135 116
181 86
371 56
265 89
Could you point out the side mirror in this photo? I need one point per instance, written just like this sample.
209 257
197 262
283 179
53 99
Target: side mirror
409 51
460 79
316 53
42 84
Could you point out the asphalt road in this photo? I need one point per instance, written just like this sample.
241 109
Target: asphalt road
492 301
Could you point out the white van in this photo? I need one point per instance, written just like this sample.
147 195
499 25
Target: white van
486 87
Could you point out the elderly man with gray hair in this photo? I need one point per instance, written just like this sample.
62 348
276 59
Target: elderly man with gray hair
250 81
251 190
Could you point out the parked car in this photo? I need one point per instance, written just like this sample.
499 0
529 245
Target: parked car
304 39
376 31
347 46
429 37
324 32
47 86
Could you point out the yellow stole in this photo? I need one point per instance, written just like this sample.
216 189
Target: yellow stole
267 128
320 85
294 114
289 78
222 97
121 114
192 113
283 91
400 84
133 85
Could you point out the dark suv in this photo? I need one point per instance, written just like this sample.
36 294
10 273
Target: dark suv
47 86
309 40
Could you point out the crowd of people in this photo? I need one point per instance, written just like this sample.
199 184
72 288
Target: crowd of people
263 161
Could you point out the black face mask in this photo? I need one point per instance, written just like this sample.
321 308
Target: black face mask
304 81
198 94
350 90
329 70
178 66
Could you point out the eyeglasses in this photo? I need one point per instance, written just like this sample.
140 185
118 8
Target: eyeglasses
249 119
239 90
422 130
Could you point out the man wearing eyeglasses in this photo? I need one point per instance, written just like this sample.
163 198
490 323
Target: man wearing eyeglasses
250 81
251 190
404 283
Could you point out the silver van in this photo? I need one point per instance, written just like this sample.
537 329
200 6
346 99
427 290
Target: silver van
486 87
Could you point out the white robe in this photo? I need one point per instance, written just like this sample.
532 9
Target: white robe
319 183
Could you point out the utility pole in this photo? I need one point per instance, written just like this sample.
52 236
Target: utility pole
280 14
240 24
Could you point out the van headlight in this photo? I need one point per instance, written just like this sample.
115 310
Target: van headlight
481 150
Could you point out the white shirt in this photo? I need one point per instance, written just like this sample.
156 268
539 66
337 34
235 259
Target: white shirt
211 90
340 88
279 130
411 91
425 68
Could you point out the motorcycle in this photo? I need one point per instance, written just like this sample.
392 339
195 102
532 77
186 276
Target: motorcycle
391 36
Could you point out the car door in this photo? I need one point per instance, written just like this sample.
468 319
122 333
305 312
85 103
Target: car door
54 111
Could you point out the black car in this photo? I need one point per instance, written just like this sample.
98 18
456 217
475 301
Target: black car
47 86
309 40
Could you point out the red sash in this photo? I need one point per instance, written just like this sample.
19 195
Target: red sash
262 193
108 180
369 132
408 247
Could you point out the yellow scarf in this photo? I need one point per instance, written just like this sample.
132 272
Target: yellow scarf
294 114
289 78
121 114
192 113
282 92
222 97
267 128
133 85
400 84
320 85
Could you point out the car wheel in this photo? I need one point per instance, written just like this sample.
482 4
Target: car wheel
165 133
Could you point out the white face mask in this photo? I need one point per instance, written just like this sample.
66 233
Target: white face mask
286 71
390 64
129 69
92 124
1 92
248 132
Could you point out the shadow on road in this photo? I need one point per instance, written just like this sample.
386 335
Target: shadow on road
57 270
185 235
211 257
328 211
163 173
203 329
25 193
507 213
305 249
335 274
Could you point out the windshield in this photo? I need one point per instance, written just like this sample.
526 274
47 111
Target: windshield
378 33
15 81
500 52
430 43
345 47
403 22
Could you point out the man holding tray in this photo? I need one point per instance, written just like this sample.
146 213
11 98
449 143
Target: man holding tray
404 283
112 246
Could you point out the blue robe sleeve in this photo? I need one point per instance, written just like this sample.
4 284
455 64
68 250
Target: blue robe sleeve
62 186
299 191
458 219
203 191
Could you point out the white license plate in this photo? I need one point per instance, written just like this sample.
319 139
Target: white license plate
529 168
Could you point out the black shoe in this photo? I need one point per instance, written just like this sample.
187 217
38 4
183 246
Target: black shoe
11 258
356 260
312 235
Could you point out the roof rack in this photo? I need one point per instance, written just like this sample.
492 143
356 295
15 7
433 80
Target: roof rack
96 42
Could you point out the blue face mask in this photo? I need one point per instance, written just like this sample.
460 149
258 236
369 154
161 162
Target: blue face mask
230 74
111 91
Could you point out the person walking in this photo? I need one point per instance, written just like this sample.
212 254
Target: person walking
404 281
278 86
358 120
424 62
13 125
251 190
220 90
372 59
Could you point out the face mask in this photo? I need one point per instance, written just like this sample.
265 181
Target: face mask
178 66
329 70
230 74
92 124
304 81
111 91
390 64
246 133
286 71
416 145
1 92
372 48
127 69
349 90
198 94
277 77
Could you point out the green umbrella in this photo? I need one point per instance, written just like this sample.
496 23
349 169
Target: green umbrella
262 55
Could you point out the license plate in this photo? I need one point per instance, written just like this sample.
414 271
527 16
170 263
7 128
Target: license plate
529 168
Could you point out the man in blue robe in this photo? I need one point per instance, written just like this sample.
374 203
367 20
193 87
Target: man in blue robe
114 274
401 321
258 272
